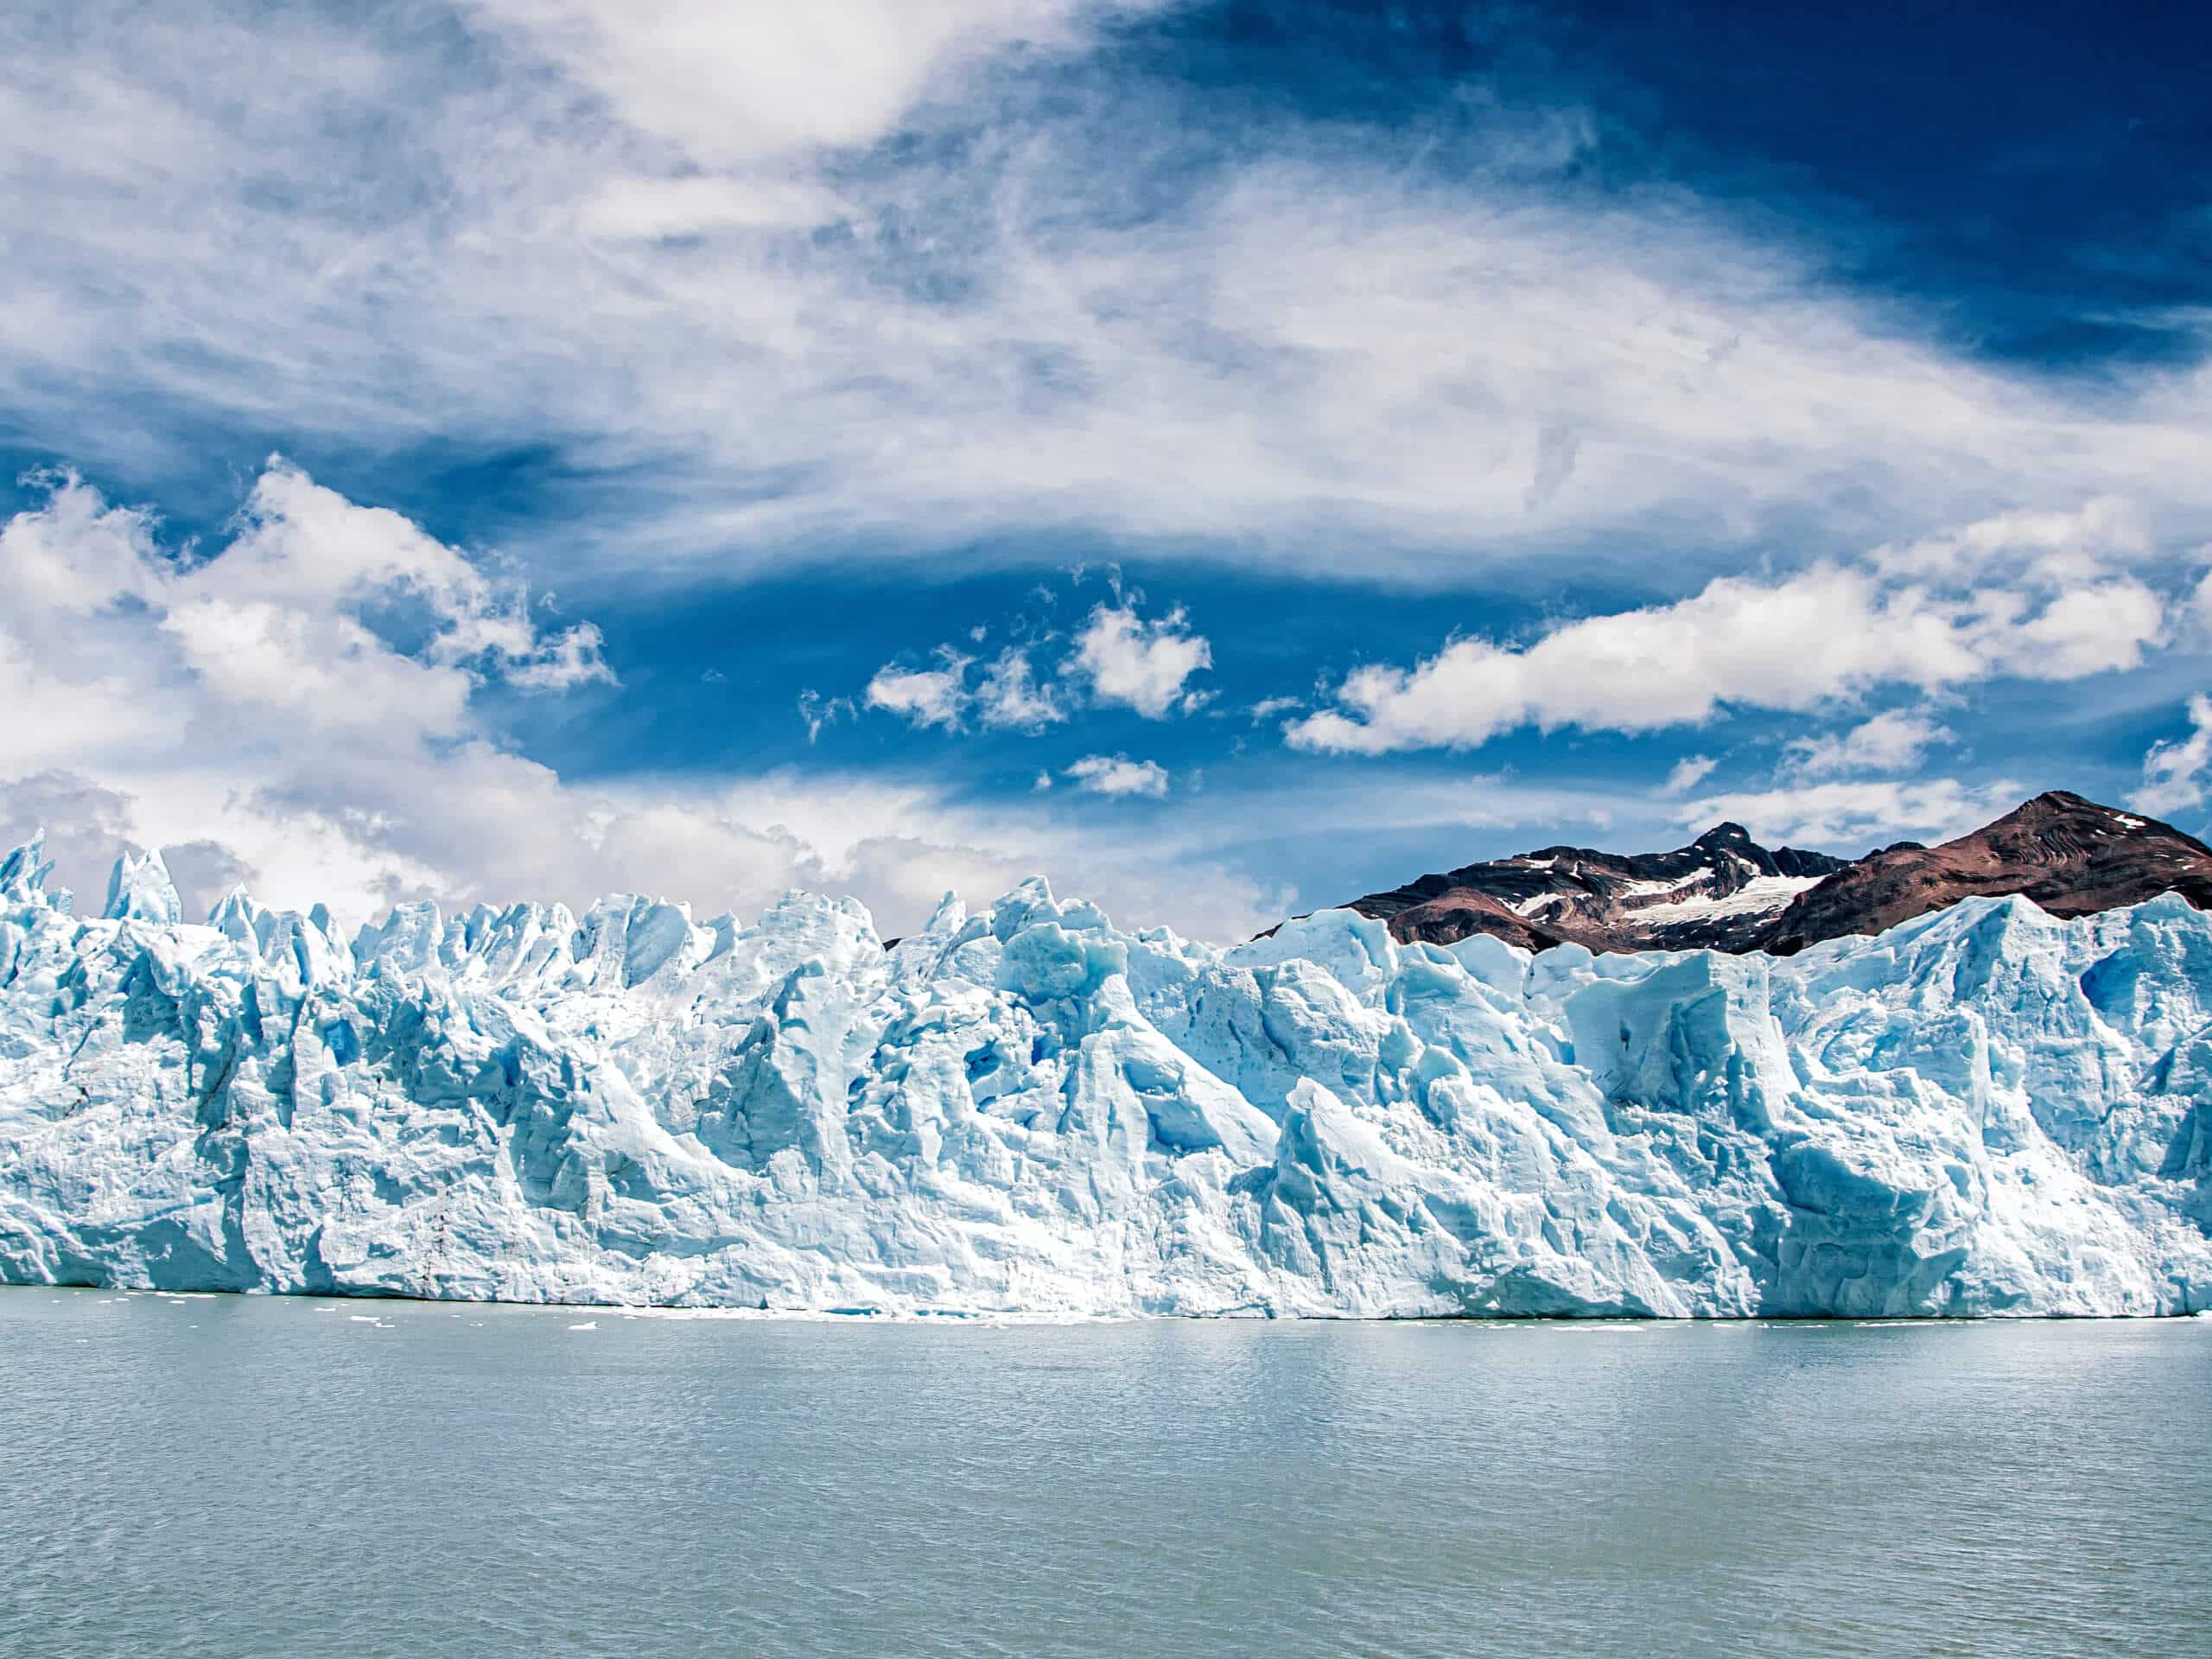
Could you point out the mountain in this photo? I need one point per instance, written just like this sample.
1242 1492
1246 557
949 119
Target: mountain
1725 891
2070 854
1719 892
1027 1111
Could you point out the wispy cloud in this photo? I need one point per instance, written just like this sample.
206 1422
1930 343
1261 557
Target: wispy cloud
2174 771
696 219
1856 816
1894 741
817 711
1009 696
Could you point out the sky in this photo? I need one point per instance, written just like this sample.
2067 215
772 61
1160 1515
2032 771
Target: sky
1225 457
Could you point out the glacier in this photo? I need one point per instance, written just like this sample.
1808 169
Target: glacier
1025 1111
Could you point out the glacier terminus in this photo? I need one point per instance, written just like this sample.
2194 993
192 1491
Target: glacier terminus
1025 1111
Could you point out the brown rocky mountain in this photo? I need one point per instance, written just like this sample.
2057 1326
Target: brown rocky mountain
1726 892
2070 855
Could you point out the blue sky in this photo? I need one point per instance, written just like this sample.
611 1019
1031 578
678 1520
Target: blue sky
1228 457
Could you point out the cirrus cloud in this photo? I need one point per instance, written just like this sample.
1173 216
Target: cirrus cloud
694 213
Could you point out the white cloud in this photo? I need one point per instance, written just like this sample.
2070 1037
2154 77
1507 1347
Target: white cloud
1119 659
1687 773
2052 547
1892 741
1268 708
1858 815
1143 665
284 739
1825 635
1008 697
77 555
2084 630
650 209
2174 770
732 85
818 711
925 696
569 659
631 232
1117 774
84 824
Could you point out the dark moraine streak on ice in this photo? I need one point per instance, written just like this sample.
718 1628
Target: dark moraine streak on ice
248 1477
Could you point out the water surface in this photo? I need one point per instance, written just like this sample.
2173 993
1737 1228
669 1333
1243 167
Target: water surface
250 1476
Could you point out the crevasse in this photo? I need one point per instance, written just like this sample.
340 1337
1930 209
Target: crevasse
1028 1111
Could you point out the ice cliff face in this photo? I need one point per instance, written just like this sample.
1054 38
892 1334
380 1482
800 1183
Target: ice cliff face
1987 1110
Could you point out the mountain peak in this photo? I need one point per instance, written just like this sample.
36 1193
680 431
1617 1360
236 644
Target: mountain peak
1726 892
2070 855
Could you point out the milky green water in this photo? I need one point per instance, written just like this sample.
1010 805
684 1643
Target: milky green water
242 1475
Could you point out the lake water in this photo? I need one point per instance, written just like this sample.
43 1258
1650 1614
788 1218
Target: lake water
245 1476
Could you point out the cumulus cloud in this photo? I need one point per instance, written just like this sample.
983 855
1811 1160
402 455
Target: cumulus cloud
2174 770
925 696
1117 774
1893 741
1139 664
1119 659
85 825
1006 697
297 709
1825 635
203 873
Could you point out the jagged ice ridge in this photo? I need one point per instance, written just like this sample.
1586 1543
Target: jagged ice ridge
1984 1111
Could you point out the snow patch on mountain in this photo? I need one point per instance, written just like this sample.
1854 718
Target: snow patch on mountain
1027 1110
1758 892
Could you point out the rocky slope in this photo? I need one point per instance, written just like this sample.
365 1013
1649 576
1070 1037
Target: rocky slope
1725 891
1720 891
2070 854
1988 1110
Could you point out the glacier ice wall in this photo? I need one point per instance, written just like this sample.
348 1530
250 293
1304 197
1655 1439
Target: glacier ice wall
1984 1111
